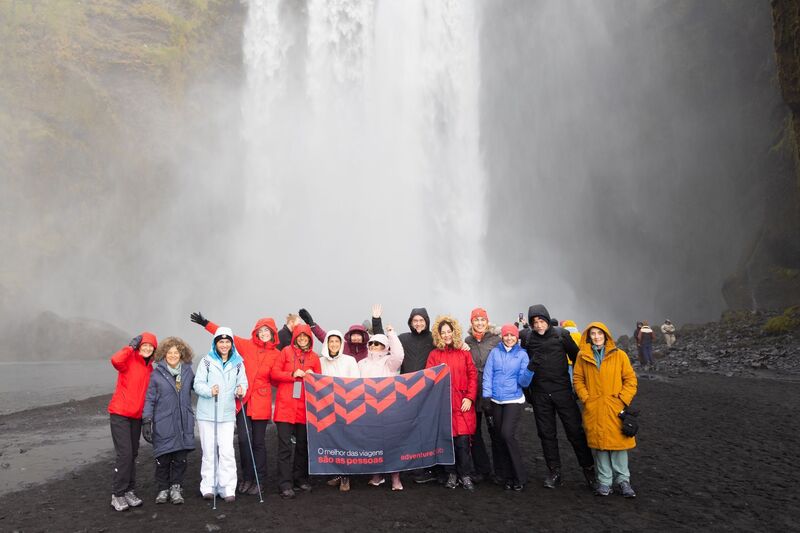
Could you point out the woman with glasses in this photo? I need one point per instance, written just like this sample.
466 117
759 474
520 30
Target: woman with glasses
384 357
290 410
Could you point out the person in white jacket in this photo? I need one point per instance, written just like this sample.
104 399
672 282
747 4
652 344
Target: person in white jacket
338 364
384 358
219 373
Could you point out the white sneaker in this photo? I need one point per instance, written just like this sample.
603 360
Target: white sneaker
119 503
132 499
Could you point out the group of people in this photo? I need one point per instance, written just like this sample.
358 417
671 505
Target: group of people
645 338
493 374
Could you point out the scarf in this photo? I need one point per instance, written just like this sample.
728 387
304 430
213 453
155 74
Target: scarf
599 352
176 373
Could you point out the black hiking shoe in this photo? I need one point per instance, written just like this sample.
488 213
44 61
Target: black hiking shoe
624 488
466 482
553 479
287 494
452 481
591 476
425 477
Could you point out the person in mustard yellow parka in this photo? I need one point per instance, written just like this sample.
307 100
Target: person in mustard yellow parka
606 384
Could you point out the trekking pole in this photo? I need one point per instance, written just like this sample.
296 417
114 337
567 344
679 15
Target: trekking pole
253 457
216 402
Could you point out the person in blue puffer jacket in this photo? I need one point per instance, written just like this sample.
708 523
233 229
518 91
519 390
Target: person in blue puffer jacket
220 373
168 418
504 375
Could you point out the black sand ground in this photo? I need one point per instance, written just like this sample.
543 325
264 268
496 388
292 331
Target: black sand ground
714 453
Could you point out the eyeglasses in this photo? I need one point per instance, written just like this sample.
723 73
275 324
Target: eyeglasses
374 343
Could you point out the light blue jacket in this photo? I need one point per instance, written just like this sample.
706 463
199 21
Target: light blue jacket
505 373
210 372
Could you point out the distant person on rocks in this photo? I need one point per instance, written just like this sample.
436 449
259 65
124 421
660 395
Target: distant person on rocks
385 358
635 338
606 385
645 339
668 329
134 365
480 341
548 349
336 363
290 410
504 375
259 353
451 351
417 346
220 374
168 417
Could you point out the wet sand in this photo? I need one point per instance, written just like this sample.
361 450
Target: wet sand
714 453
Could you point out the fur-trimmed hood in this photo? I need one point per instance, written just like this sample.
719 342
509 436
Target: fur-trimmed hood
458 337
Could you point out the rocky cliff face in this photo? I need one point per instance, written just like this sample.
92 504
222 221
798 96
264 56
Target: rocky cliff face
768 276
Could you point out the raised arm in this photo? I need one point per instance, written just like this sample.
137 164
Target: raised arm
396 353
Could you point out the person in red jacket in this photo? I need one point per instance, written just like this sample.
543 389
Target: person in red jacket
450 350
290 409
133 364
259 353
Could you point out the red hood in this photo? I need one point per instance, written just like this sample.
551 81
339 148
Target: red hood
150 338
303 328
270 323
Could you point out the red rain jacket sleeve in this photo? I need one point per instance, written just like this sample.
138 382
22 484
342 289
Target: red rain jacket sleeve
122 358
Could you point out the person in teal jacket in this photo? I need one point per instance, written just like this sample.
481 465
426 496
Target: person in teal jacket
504 375
220 373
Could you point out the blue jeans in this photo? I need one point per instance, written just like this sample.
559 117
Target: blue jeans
647 353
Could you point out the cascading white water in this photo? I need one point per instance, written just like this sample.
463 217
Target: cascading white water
362 138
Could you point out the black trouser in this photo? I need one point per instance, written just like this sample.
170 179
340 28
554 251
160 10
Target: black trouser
258 437
125 433
480 457
509 457
545 407
292 472
170 469
463 466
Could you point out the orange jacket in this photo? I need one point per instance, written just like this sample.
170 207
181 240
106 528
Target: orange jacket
291 358
603 391
258 360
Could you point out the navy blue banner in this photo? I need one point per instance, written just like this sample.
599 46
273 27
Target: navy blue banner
376 425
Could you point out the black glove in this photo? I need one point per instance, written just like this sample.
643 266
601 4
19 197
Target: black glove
306 316
530 365
487 406
147 430
135 342
198 318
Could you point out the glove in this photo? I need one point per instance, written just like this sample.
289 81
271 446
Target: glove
198 318
306 316
135 342
487 406
530 365
147 430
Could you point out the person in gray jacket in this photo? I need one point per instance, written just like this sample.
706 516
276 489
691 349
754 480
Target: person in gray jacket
168 418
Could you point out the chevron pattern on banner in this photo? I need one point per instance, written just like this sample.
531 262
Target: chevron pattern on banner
378 424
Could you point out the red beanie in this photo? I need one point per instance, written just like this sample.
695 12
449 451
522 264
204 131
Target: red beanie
509 329
478 311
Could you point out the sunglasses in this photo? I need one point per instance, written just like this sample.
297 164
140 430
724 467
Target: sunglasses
374 343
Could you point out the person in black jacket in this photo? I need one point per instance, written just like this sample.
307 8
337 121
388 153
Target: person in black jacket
548 348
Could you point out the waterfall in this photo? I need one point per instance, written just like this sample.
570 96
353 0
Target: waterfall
361 127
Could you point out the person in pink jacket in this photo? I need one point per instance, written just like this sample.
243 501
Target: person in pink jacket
383 359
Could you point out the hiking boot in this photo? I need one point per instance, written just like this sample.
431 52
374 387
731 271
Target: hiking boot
344 484
287 494
176 494
377 480
625 489
208 496
230 499
602 490
305 486
509 485
163 496
119 503
334 481
253 490
244 486
132 499
591 477
518 487
425 477
452 481
553 479
466 482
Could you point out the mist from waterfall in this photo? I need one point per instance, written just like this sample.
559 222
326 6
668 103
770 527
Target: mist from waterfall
361 130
